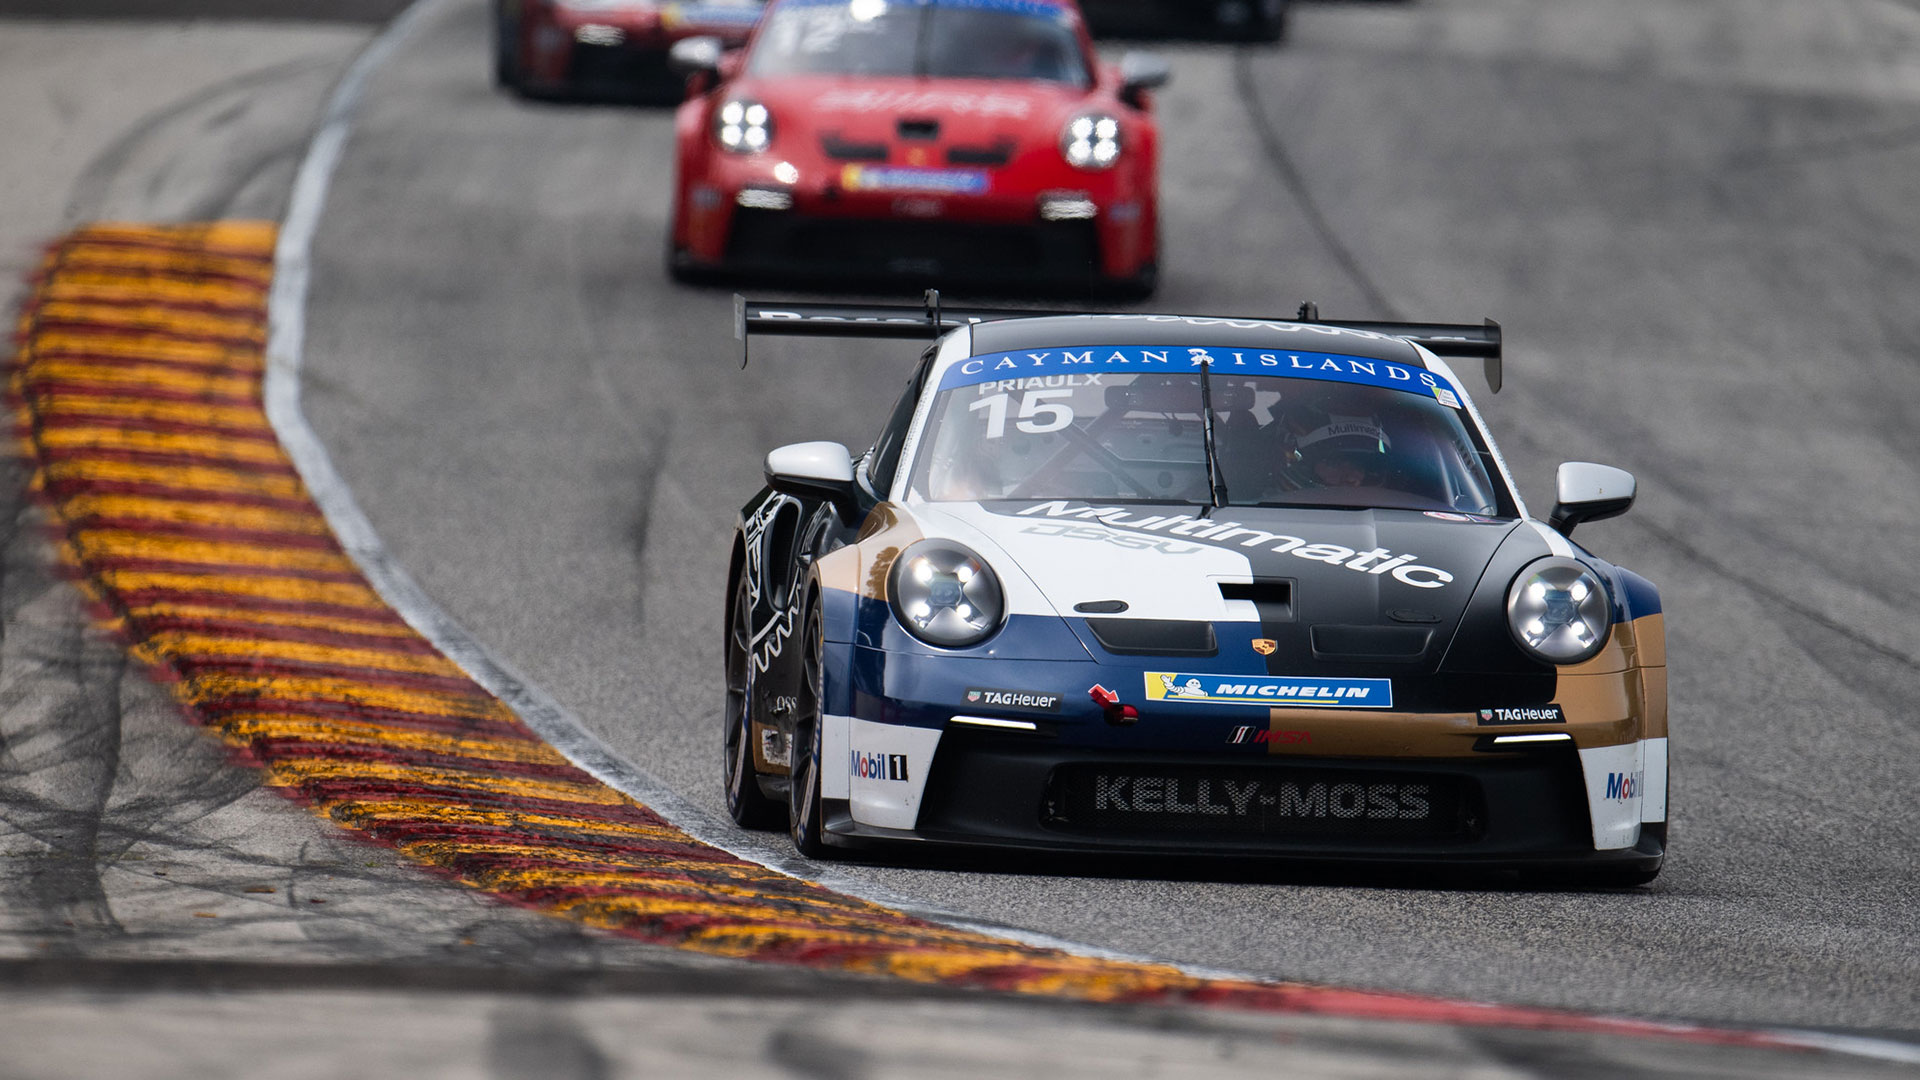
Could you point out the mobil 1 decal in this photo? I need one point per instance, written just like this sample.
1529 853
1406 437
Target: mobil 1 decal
1086 365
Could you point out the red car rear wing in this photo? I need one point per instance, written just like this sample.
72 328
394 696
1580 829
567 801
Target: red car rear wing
930 320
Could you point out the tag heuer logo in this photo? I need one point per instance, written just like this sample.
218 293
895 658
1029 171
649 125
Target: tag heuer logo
974 695
1485 715
1265 646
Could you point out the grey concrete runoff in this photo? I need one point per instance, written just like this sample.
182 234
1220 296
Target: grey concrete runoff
527 411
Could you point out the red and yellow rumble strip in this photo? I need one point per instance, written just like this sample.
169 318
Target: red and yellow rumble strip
138 390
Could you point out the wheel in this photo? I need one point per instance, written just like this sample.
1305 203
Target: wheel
804 819
1141 286
1268 21
506 41
746 803
682 269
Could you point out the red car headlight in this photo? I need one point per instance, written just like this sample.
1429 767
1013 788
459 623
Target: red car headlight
1091 141
743 127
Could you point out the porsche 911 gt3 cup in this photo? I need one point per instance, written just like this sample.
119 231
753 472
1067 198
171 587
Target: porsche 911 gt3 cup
1178 585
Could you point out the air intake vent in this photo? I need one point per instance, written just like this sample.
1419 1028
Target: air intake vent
923 130
1380 644
996 155
1273 597
847 150
1154 637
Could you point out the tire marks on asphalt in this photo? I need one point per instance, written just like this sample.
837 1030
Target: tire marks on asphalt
198 545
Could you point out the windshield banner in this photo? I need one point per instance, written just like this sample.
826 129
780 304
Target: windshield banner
1137 359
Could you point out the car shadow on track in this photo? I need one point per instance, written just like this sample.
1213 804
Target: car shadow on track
1237 870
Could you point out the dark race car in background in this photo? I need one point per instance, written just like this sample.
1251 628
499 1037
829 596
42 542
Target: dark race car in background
920 142
1237 20
1172 585
607 49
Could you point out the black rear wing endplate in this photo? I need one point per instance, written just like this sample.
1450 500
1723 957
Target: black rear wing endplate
814 319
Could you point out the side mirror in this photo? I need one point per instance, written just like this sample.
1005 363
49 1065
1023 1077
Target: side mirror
1140 72
815 470
696 56
1589 492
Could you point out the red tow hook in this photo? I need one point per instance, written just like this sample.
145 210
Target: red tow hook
1117 714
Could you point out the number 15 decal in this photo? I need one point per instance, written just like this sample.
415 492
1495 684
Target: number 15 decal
1034 404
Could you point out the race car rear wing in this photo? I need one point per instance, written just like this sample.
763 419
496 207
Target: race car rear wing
931 320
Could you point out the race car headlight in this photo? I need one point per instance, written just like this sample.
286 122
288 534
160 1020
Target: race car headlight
1559 612
744 127
1091 141
945 595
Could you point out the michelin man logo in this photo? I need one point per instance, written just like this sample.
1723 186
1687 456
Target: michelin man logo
1189 689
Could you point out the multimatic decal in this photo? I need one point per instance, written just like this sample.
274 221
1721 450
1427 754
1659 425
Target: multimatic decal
1229 534
770 638
1533 714
1268 691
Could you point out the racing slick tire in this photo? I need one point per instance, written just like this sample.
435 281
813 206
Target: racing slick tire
749 807
682 269
805 819
1141 286
506 70
1267 22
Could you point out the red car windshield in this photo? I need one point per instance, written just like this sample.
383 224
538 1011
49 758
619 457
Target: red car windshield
943 39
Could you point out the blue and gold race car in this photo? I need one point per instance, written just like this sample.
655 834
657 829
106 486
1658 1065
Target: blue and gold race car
1173 585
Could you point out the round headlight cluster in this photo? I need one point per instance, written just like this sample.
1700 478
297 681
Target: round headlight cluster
1091 141
1559 612
744 127
945 595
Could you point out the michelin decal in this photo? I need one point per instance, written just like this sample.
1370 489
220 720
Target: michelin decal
1268 691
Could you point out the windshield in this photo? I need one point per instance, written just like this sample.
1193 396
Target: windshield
947 39
1119 436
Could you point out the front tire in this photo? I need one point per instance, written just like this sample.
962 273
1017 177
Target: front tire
746 803
1268 22
506 48
804 816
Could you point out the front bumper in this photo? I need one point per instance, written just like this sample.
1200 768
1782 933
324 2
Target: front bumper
740 220
1495 811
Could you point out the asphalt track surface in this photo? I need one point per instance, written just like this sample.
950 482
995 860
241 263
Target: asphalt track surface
1695 222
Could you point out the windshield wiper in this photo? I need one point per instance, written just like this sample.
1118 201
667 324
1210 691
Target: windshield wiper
1216 480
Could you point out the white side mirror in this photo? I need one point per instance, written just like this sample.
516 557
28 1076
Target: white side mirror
815 470
1589 492
690 56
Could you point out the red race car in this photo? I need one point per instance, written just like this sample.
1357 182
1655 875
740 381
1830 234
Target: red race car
607 48
918 142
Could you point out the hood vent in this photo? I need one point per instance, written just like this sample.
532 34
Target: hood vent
923 130
1272 597
1376 644
1154 637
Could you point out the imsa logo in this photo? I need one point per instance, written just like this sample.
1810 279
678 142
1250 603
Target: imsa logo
878 766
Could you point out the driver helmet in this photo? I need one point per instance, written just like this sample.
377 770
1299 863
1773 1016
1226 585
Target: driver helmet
1338 443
